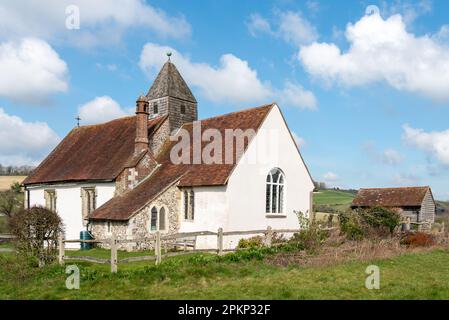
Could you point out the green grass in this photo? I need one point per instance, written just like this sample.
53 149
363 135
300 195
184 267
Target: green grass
334 199
106 254
203 276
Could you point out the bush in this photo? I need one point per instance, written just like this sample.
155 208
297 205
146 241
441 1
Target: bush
311 237
253 242
417 239
376 221
351 226
381 218
36 230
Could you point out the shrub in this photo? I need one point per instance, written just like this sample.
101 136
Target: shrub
376 221
311 237
36 231
417 239
253 242
351 226
381 218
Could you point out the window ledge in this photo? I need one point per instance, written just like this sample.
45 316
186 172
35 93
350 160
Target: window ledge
275 216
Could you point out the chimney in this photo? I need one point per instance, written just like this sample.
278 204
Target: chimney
142 112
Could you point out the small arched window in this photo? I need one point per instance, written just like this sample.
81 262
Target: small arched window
274 201
162 219
183 109
155 108
153 219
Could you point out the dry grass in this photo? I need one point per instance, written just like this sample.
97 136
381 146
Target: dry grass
338 250
7 181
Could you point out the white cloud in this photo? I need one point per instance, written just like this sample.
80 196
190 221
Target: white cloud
296 96
410 10
300 141
290 26
101 21
101 109
392 157
435 143
405 180
31 71
388 156
331 177
382 50
233 80
257 25
24 143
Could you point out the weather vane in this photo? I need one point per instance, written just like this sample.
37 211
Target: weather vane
78 120
169 55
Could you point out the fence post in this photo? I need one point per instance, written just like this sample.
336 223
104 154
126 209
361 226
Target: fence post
158 247
269 237
113 254
61 249
220 241
442 227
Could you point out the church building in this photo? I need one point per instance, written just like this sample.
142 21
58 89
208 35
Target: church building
162 169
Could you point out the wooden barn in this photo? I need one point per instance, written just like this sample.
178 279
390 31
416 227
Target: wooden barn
414 202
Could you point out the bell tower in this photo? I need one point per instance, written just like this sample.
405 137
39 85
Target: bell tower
170 95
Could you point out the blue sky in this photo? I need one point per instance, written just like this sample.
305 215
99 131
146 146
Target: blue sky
366 93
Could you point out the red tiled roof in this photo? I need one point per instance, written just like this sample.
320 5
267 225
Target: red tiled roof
124 206
96 152
390 197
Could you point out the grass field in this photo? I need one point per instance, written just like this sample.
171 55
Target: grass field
335 199
7 181
206 277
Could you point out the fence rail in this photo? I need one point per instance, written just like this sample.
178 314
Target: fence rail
162 241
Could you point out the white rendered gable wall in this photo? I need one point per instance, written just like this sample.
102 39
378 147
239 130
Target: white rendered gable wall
273 147
240 205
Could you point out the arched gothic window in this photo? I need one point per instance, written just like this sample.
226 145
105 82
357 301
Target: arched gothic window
274 202
153 219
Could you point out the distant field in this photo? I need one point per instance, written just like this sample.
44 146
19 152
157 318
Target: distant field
332 197
7 181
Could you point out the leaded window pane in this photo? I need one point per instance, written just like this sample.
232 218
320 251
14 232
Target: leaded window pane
153 219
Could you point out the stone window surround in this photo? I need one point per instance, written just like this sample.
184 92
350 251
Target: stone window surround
187 202
87 208
158 210
50 199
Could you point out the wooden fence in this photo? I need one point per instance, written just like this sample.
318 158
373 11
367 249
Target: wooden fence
158 241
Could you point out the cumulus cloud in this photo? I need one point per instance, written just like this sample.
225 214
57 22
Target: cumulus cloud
331 177
24 143
233 80
101 21
101 109
290 26
410 10
405 180
388 156
31 71
382 50
295 95
392 157
435 143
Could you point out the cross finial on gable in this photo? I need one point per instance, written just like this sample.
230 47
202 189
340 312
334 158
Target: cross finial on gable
78 119
169 54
